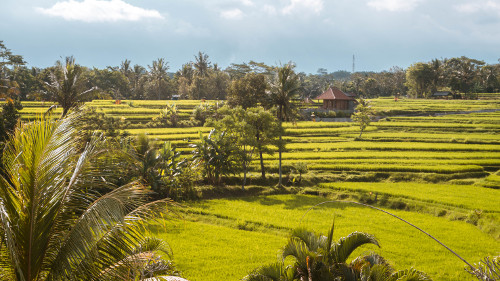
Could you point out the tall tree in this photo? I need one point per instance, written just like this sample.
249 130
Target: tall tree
125 68
9 117
28 83
218 81
284 88
462 73
247 91
201 64
8 85
110 83
490 78
159 77
252 131
265 131
371 88
54 227
137 78
419 78
67 85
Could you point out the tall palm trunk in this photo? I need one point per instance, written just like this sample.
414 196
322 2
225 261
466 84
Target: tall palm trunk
280 183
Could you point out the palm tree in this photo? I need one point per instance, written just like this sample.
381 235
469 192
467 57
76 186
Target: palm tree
201 64
158 74
125 68
318 257
137 80
67 85
283 89
54 226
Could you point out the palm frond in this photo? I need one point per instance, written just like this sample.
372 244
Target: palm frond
371 260
53 227
345 246
312 240
377 272
37 163
409 275
271 272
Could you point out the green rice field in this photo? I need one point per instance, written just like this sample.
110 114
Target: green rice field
433 162
225 239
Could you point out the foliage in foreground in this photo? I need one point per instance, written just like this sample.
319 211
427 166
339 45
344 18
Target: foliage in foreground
488 269
54 226
317 257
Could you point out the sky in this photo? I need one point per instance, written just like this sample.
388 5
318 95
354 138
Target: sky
314 34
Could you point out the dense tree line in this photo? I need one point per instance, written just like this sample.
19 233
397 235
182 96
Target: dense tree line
241 84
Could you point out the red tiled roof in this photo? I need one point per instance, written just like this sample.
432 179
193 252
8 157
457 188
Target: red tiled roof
333 94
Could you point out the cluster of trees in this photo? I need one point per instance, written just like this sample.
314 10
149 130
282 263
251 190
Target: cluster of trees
243 84
459 75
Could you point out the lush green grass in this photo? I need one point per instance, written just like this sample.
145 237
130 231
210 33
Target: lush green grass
209 246
367 145
205 251
166 131
403 162
448 169
465 196
427 136
435 125
397 154
405 106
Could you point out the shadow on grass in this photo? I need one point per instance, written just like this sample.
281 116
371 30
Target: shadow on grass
293 202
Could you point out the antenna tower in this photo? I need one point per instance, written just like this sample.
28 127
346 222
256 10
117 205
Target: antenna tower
353 64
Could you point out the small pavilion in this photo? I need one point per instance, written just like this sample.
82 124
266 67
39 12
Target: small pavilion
335 99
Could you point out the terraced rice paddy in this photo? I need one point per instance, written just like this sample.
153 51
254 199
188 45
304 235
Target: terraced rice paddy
440 170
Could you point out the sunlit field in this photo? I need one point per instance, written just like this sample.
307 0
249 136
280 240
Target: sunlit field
224 239
432 162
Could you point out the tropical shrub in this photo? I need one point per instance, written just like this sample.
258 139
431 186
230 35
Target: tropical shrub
318 257
215 155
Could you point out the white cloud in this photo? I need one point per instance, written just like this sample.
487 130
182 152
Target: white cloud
233 14
479 6
393 5
99 11
303 5
247 3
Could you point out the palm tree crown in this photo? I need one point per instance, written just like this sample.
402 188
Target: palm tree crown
284 88
67 85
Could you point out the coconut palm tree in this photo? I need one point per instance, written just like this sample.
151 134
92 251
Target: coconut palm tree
158 75
54 225
284 88
201 64
67 85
